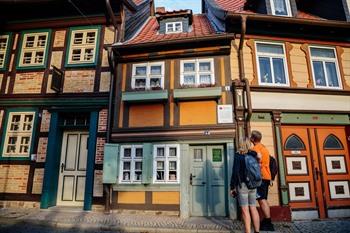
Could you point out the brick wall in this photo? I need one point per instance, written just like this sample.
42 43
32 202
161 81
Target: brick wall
29 83
79 81
38 181
105 81
102 120
45 121
42 148
100 150
59 38
13 178
98 185
19 204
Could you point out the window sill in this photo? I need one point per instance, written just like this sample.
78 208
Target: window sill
145 96
197 93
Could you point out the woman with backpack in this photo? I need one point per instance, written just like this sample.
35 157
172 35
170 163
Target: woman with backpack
244 180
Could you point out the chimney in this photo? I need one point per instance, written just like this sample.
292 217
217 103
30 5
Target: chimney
160 10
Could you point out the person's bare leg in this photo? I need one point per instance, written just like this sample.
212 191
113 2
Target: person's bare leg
265 207
255 218
246 218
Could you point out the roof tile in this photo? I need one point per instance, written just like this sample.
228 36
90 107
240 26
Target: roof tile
149 33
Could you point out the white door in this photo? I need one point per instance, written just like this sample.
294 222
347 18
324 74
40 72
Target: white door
71 183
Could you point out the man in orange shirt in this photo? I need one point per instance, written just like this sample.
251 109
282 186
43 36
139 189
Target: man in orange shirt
263 190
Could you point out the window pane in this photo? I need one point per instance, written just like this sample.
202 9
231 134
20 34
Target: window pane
126 166
41 41
319 73
178 27
78 38
189 67
138 152
138 175
157 70
170 27
172 165
332 142
265 70
140 70
39 57
126 176
30 41
278 69
160 152
172 151
189 79
90 37
321 52
155 82
3 43
293 142
205 79
204 66
138 165
2 58
280 7
160 165
270 48
89 54
140 83
332 74
127 152
27 57
76 55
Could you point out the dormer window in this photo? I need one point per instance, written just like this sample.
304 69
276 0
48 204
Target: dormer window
173 27
281 7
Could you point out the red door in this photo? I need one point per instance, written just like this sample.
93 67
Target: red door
317 167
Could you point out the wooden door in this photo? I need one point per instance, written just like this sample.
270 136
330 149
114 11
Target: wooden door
207 179
317 167
71 185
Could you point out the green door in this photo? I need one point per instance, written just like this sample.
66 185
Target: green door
207 180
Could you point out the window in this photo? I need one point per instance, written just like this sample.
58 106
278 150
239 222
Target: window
271 64
332 143
281 7
18 134
198 72
148 76
325 67
34 49
131 164
294 142
4 44
83 46
173 27
166 164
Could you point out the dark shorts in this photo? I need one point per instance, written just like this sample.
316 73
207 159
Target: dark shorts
263 190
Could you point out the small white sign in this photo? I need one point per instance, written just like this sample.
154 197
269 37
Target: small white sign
295 152
225 114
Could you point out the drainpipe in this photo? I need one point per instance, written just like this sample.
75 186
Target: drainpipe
247 96
112 66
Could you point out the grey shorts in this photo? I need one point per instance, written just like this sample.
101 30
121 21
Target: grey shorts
246 197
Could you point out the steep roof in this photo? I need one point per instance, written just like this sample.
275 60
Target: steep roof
239 6
149 33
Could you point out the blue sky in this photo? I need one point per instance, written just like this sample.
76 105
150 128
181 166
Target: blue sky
194 5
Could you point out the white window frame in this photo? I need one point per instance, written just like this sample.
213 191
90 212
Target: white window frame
4 50
19 134
197 73
133 159
174 27
83 46
289 10
324 60
148 74
33 50
272 55
166 159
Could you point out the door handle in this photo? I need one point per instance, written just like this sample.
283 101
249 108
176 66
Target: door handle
191 178
62 167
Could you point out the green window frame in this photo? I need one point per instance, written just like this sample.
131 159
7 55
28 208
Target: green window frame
5 49
34 49
19 134
83 46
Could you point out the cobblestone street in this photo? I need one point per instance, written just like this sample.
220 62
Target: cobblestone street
36 221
